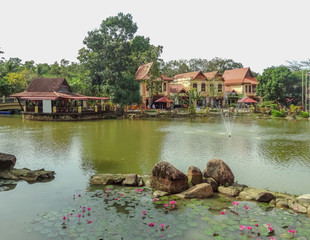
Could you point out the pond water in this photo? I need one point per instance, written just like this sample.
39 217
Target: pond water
268 154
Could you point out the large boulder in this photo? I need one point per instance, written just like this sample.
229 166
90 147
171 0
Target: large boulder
219 170
202 190
167 178
265 197
212 182
194 175
229 191
7 161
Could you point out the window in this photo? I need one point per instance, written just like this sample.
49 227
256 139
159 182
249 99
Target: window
203 87
246 88
195 85
253 88
165 87
220 88
250 88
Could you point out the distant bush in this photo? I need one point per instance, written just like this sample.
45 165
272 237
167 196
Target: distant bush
233 105
304 114
274 106
277 113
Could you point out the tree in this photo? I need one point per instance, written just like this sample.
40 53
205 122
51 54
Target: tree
277 83
107 55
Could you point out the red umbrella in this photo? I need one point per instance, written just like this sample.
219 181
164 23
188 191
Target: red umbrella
247 100
164 100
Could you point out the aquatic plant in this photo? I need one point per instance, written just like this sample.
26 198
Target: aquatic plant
137 216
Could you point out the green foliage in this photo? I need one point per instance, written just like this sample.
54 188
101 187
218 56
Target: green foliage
304 114
277 113
277 83
175 67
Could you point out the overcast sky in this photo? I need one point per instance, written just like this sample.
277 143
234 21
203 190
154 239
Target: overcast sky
257 33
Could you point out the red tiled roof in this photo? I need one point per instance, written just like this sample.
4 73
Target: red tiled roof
210 75
49 89
166 78
247 100
250 80
239 76
46 85
143 70
177 88
191 75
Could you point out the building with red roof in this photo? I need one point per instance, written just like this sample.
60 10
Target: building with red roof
242 81
161 85
54 96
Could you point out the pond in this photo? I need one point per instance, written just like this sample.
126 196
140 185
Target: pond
268 154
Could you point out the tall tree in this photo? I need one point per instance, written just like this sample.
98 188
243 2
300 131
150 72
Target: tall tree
277 83
108 57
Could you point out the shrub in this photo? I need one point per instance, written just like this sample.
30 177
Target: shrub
277 113
304 114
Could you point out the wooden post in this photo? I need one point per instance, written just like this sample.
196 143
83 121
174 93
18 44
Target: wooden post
54 109
36 109
96 108
20 104
79 109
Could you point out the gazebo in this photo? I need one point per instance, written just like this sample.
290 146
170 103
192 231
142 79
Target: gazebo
247 100
164 100
53 96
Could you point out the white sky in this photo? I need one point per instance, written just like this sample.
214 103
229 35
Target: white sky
257 33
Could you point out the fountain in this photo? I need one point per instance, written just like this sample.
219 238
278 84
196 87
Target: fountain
226 117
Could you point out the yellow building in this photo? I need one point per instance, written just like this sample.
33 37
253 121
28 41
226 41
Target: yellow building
241 81
160 86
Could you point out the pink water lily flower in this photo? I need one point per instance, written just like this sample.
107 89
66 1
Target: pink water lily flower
246 207
241 227
162 225
223 213
122 194
249 228
89 209
155 199
64 218
235 203
151 224
166 204
140 190
256 224
89 221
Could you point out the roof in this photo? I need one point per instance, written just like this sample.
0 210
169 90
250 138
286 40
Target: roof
50 89
166 78
46 85
191 75
239 76
143 70
177 88
247 100
210 75
164 99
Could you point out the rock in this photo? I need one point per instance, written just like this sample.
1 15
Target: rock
107 179
265 197
202 190
8 175
304 200
33 175
281 203
220 171
140 182
7 161
229 191
131 180
167 178
213 183
250 193
194 175
296 206
240 187
159 193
